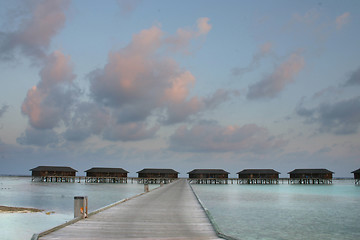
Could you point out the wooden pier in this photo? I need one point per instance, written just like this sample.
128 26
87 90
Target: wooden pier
258 181
310 181
57 179
212 180
78 179
168 212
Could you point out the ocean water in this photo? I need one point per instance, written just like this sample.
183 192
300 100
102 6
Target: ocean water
57 197
275 212
248 212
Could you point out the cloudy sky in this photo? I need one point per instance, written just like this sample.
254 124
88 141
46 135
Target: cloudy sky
180 84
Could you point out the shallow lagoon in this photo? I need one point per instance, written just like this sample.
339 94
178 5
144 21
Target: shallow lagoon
285 211
244 211
57 197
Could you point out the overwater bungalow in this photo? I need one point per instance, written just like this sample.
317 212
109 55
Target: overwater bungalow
157 175
258 176
208 176
53 174
106 175
356 176
311 176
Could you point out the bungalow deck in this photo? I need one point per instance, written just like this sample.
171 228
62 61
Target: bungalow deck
56 179
309 181
168 212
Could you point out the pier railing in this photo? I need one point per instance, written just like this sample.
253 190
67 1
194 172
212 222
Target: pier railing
73 179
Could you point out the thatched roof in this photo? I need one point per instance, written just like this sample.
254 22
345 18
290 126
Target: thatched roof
158 170
208 171
53 168
258 171
106 170
310 171
356 171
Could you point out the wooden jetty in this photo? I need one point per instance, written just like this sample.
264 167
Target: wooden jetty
213 180
168 212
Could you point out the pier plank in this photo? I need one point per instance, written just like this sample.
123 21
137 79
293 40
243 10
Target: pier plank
169 212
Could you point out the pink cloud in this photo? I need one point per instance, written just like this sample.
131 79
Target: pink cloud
342 20
273 84
180 86
35 33
181 41
48 102
138 80
203 26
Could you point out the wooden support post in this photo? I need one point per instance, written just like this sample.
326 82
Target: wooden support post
146 187
80 206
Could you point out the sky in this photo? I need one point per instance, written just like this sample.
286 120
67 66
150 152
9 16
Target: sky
180 84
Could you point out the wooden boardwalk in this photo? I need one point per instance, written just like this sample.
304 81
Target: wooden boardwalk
169 212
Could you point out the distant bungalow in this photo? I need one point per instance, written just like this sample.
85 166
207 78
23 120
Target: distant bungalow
311 176
356 176
259 176
53 174
103 175
208 176
157 175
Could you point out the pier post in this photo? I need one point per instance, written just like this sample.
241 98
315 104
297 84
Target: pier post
146 187
80 206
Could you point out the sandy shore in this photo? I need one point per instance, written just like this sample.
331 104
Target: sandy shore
6 209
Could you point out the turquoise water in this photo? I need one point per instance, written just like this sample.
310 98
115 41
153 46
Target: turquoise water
275 212
244 211
57 197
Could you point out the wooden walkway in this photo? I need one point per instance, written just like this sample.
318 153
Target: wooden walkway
169 212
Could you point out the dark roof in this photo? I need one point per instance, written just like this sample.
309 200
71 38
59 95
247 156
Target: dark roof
107 170
314 170
157 170
53 168
258 171
356 171
208 171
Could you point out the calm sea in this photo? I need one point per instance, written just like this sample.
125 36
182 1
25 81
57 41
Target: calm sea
57 197
243 211
275 212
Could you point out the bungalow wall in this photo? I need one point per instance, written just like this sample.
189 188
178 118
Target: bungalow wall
157 175
207 175
311 175
53 173
106 174
268 176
